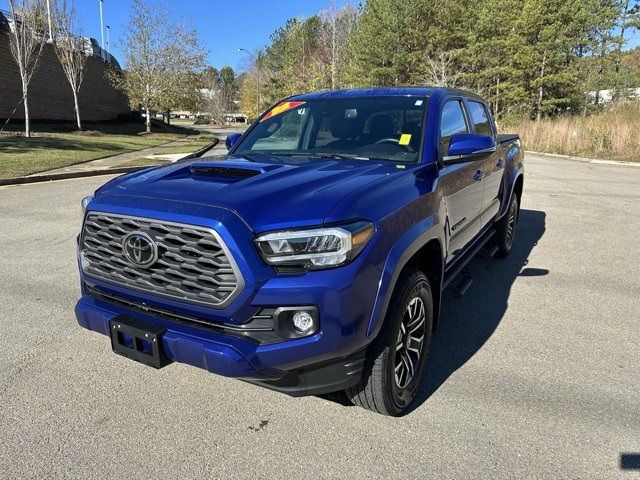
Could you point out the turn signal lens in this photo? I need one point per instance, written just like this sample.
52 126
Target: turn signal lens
85 202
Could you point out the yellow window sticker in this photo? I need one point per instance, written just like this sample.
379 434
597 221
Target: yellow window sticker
405 138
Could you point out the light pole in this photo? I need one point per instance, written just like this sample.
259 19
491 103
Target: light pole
101 31
49 18
108 43
256 59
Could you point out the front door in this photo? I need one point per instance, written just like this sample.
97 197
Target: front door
493 164
462 184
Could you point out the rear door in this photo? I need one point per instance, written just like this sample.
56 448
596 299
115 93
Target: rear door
462 182
493 165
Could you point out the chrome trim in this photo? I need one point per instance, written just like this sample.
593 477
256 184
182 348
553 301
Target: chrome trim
450 158
240 283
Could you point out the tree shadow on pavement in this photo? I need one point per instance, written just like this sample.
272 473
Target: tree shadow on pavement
467 323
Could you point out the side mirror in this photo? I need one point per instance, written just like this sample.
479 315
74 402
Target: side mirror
465 145
231 140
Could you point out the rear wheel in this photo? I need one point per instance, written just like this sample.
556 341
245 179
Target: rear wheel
395 361
506 229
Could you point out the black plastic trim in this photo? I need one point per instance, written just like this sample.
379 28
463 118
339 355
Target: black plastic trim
265 327
319 379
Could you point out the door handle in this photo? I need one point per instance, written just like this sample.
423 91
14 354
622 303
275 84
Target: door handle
479 175
500 163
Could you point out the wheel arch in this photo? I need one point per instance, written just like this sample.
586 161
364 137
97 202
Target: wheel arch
430 261
426 251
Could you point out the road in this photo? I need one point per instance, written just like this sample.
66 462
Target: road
534 373
221 133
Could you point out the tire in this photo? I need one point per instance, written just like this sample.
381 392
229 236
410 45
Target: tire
506 228
388 384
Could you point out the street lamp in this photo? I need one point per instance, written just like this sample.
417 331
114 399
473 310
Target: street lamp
49 19
256 59
108 43
101 31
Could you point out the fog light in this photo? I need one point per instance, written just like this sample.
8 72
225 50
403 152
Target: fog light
303 322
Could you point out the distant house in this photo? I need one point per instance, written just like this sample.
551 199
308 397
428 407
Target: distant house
603 97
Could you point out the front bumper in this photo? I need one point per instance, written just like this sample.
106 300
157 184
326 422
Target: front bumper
234 357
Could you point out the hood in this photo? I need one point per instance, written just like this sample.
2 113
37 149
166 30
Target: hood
266 195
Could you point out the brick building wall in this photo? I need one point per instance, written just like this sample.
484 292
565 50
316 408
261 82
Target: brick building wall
50 95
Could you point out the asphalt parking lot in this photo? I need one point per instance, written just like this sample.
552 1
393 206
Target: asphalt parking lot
534 373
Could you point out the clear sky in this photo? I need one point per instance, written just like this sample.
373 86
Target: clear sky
223 25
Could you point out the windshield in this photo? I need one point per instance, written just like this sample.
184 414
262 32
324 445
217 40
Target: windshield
387 128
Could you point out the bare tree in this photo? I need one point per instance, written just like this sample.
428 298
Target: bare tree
336 29
158 55
27 40
442 71
70 49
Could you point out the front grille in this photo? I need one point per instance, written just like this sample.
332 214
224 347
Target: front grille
193 263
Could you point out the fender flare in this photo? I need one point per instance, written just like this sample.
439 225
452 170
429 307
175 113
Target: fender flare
402 251
515 173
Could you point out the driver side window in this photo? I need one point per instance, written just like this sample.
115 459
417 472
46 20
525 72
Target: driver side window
452 122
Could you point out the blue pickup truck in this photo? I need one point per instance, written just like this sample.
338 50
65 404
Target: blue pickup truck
312 259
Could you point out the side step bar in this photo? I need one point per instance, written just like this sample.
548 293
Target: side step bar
490 250
460 265
463 285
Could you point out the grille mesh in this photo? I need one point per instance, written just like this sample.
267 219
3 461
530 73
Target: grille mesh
193 264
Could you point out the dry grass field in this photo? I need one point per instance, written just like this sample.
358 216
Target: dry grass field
611 134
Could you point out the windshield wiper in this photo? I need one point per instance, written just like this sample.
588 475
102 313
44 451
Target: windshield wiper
256 156
339 156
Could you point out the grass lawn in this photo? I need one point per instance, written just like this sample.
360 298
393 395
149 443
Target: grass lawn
55 146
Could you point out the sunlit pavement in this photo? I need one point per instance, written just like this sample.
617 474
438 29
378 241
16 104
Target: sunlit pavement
534 373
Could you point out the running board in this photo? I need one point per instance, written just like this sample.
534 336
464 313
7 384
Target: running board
455 269
463 285
490 250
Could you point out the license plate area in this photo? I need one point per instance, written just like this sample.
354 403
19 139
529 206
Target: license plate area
138 340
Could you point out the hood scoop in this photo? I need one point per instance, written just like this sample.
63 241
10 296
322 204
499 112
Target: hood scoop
229 170
220 171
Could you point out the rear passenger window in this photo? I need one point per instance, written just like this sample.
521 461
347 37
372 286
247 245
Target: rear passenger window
452 122
480 118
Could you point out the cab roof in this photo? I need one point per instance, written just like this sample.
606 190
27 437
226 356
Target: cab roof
382 92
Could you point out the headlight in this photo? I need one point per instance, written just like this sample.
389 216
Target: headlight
86 201
317 248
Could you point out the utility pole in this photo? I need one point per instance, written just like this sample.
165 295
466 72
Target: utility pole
101 31
108 44
49 18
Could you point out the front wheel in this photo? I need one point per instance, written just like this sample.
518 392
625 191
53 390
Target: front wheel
395 360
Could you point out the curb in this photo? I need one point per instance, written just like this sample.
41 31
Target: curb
202 151
594 161
95 173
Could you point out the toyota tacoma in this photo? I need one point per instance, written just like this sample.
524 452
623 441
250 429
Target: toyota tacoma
313 257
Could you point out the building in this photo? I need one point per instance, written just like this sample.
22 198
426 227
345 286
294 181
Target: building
50 96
